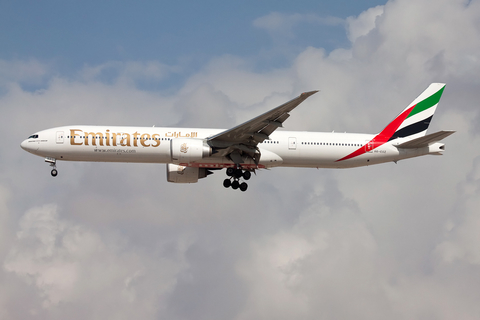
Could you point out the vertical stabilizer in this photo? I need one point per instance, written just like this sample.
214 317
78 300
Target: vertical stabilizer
410 124
413 122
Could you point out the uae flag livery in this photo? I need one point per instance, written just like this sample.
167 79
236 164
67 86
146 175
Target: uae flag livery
420 113
411 123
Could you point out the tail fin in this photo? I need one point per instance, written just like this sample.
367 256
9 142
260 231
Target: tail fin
413 122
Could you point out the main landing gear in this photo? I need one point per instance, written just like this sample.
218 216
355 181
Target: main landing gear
53 164
235 174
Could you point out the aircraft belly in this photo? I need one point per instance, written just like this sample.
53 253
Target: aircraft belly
329 157
316 157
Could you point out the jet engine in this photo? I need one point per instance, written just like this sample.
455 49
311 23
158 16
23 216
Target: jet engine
188 150
181 174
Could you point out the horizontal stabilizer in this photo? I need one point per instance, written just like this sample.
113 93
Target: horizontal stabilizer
425 141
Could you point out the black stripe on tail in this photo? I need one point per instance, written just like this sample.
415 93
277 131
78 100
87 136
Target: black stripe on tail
414 128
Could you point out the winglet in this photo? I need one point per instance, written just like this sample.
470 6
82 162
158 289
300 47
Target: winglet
308 94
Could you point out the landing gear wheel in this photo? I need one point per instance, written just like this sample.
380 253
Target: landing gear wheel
230 171
243 186
227 183
235 185
54 172
238 173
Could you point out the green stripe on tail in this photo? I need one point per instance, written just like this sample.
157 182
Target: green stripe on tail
427 103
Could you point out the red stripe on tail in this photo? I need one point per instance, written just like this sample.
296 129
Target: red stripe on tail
382 137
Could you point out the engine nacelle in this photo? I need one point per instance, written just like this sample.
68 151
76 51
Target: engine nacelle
181 174
187 150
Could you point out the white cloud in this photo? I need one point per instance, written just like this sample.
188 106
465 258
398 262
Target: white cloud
461 231
31 71
130 72
277 23
363 24
68 263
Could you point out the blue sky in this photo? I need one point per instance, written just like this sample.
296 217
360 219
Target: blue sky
70 34
117 241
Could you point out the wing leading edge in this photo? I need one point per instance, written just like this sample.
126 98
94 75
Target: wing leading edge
243 139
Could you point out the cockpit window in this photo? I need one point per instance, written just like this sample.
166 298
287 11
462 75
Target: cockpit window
33 136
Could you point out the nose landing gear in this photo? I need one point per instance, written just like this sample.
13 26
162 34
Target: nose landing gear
53 164
235 174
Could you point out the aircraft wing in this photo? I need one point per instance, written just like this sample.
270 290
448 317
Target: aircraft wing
259 128
240 142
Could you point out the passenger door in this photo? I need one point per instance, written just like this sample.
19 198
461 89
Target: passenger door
59 138
292 143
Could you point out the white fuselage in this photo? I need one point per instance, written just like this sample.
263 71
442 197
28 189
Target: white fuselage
153 145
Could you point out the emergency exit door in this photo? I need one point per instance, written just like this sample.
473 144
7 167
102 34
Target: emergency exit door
59 137
292 143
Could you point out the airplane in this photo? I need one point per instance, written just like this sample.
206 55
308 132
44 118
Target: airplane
194 153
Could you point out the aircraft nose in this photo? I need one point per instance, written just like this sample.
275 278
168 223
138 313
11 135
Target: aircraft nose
23 145
29 146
